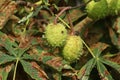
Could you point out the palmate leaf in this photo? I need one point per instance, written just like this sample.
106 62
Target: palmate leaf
4 71
32 71
7 43
103 72
34 53
20 51
46 58
85 71
4 58
97 52
111 64
30 57
53 61
98 48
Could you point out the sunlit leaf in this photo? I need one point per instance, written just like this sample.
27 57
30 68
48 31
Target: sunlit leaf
26 18
46 2
30 15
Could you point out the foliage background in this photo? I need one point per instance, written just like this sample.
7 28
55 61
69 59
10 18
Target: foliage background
25 54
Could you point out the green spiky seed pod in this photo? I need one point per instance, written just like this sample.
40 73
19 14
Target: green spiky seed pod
73 48
97 10
114 6
56 34
118 6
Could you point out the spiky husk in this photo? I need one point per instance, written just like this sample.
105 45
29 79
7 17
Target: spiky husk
114 6
73 48
97 10
56 34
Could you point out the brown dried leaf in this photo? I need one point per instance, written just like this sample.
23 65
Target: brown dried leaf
100 45
56 62
93 34
4 3
115 58
5 70
69 73
116 25
41 72
57 76
113 36
6 11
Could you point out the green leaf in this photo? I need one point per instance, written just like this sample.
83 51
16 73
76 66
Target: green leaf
8 44
26 18
103 72
46 58
98 48
2 34
29 57
46 2
31 14
52 61
96 52
30 70
4 71
85 71
4 58
34 41
111 64
55 62
21 51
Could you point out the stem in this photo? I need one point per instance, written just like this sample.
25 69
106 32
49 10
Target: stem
14 75
63 22
70 22
60 13
88 49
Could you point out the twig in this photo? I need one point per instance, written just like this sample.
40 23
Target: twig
57 16
70 22
63 9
